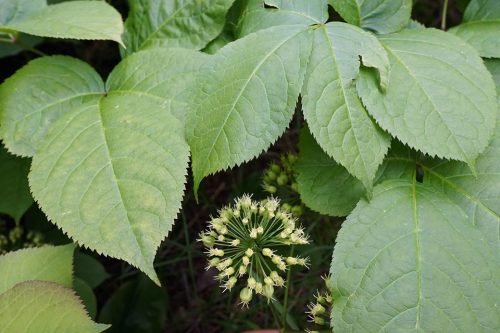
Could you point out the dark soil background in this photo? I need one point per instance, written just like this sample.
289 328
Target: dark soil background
189 299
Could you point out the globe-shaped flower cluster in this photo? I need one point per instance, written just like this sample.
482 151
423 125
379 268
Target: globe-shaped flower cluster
247 242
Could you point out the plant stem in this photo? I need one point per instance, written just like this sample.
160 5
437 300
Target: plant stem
16 41
444 15
285 301
189 253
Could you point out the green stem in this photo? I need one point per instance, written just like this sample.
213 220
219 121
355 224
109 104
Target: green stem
444 15
285 301
189 253
16 41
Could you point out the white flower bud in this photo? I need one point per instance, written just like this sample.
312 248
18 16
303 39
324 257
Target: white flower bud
258 288
249 252
267 252
235 242
251 282
245 296
246 260
292 261
253 233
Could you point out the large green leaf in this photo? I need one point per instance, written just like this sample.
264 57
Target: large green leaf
111 169
440 98
179 23
75 19
15 197
38 94
44 307
48 263
383 16
167 74
256 16
89 269
324 185
246 98
333 110
410 260
111 174
481 27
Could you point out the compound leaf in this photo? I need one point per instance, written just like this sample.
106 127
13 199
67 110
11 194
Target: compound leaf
481 27
256 16
410 260
15 197
47 263
324 185
440 98
31 100
75 19
112 177
44 307
383 16
334 112
180 23
246 98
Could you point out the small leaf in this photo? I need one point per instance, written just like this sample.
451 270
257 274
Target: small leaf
481 27
112 177
256 17
137 306
383 16
31 101
87 296
44 307
324 185
440 98
75 19
166 23
334 112
89 269
47 263
15 197
410 260
246 99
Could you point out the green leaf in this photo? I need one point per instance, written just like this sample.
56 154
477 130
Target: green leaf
89 269
410 260
16 10
86 294
112 177
493 66
481 27
325 186
75 19
477 194
247 96
32 100
256 16
440 98
166 74
48 263
484 36
166 23
136 306
15 197
383 16
334 112
44 307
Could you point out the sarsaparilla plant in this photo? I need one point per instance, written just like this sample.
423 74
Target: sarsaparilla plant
251 243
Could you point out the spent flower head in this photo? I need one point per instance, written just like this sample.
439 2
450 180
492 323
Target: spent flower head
256 236
319 310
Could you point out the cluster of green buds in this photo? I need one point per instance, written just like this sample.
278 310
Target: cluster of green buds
246 242
16 238
279 179
319 310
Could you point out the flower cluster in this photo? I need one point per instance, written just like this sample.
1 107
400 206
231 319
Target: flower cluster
246 241
16 238
279 179
319 311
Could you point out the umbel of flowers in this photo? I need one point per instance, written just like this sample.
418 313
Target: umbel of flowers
249 242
